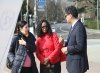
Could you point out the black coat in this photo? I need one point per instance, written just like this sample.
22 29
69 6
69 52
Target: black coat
17 52
77 61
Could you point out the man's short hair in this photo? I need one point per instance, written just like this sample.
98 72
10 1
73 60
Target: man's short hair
72 10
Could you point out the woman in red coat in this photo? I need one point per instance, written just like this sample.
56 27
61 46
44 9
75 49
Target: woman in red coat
48 49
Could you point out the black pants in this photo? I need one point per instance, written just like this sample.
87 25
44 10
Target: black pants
26 70
54 68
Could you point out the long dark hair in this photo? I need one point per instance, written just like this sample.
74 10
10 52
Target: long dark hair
19 25
39 28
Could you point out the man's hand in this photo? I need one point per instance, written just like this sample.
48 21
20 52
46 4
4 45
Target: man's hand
61 40
22 42
64 50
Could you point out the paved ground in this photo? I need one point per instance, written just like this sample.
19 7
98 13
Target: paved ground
93 55
63 29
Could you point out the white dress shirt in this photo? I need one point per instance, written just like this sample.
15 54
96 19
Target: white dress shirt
74 23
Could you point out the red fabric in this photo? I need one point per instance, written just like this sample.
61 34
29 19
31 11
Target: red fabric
48 47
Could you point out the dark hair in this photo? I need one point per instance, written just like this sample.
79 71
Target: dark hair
16 29
20 24
39 28
72 10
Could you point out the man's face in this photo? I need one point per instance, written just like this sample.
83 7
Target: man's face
68 17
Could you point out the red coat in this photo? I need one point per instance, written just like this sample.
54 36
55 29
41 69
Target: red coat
48 47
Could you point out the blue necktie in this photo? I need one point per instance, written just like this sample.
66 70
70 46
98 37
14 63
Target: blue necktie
70 33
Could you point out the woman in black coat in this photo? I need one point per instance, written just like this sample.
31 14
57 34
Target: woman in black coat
21 50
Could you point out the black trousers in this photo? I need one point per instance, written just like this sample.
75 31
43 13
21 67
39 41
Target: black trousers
54 68
26 70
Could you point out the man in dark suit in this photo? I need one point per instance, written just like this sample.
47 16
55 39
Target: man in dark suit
76 45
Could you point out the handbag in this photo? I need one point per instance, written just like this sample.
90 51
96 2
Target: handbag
62 55
9 63
11 57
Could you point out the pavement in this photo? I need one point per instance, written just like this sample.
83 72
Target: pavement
93 31
63 29
93 34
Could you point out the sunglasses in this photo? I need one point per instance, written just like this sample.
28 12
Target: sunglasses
66 15
44 26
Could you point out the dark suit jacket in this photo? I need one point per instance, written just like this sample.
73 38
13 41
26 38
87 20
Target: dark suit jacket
77 49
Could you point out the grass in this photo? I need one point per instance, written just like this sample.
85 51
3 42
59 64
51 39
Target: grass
92 24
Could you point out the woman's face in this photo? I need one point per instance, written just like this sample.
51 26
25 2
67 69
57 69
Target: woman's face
44 27
24 29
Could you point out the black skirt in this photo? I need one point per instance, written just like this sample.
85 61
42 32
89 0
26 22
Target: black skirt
54 68
26 70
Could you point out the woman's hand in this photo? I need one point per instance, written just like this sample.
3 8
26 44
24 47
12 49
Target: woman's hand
46 61
22 42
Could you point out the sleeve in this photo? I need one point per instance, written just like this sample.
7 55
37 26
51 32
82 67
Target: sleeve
80 40
38 53
11 53
56 52
31 45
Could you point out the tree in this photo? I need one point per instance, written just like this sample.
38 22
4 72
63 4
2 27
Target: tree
23 9
89 7
53 11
